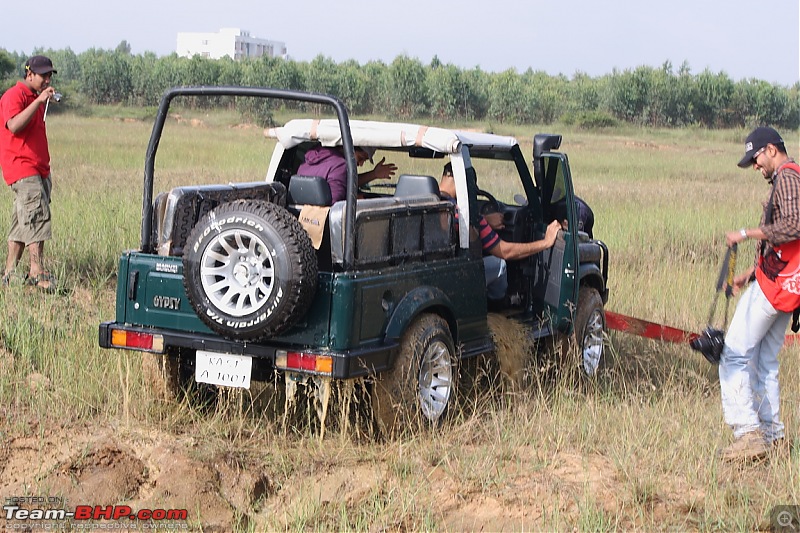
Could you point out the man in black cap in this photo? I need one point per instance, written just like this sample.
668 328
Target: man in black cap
25 162
748 369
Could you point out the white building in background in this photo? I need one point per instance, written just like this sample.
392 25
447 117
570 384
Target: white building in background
232 42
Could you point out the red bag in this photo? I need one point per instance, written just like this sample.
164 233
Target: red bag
778 271
778 275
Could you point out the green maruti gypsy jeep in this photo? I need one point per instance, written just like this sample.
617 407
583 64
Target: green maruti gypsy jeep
227 287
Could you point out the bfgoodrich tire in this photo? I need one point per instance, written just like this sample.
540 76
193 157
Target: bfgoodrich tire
590 324
250 270
418 390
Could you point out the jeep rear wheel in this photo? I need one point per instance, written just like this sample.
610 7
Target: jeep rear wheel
590 324
418 390
249 270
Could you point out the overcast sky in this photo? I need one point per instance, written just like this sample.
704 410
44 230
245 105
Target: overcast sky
743 38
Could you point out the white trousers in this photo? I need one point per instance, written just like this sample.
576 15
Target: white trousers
748 370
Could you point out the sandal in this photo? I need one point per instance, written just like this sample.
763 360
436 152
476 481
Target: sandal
12 279
45 282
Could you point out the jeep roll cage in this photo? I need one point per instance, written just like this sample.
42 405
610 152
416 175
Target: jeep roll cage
147 245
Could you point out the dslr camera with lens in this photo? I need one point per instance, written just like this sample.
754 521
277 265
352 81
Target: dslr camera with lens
710 343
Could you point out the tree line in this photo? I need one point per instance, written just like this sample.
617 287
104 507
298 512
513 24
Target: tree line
408 89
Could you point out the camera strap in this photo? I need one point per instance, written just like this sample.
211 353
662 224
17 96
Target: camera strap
724 283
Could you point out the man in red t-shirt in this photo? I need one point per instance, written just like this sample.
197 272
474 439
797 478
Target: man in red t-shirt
25 162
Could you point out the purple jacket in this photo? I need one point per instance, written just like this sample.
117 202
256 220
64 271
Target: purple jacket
328 163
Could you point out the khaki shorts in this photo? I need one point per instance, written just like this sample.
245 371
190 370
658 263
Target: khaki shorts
30 220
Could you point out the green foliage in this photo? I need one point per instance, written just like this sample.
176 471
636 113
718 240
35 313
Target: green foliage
630 94
68 65
507 98
714 92
106 77
407 88
793 108
6 64
354 87
545 97
476 95
200 71
143 71
445 89
583 93
168 73
673 105
269 72
123 48
322 76
407 95
378 94
589 120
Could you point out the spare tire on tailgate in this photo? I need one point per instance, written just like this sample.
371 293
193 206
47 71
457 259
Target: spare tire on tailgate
249 269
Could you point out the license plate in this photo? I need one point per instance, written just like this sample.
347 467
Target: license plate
223 369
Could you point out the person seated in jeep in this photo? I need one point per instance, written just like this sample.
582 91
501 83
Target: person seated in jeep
329 163
496 251
584 213
585 217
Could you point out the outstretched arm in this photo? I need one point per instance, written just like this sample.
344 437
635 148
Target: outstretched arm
381 170
511 251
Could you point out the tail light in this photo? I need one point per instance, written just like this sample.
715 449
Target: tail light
137 340
304 362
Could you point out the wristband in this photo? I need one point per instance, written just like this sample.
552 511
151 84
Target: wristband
743 232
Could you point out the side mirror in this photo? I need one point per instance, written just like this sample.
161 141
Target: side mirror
545 142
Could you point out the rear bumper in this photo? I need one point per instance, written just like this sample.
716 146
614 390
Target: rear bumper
346 364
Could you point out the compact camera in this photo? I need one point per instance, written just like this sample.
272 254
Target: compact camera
710 343
57 97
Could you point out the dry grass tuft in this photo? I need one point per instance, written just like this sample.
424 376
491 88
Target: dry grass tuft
514 349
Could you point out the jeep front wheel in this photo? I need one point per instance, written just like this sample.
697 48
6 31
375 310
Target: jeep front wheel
249 270
590 323
418 390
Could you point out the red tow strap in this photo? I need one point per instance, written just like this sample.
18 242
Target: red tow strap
651 330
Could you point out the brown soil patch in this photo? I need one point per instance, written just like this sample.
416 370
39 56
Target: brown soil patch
239 489
194 122
144 471
104 471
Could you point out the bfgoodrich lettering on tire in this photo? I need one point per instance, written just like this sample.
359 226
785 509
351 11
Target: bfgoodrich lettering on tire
250 270
419 388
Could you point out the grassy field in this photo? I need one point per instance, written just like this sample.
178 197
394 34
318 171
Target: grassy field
634 450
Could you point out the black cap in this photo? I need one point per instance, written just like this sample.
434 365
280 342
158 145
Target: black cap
758 139
40 65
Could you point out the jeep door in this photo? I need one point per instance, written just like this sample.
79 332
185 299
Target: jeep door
556 271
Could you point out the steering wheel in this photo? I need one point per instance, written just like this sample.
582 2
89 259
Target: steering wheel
492 206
